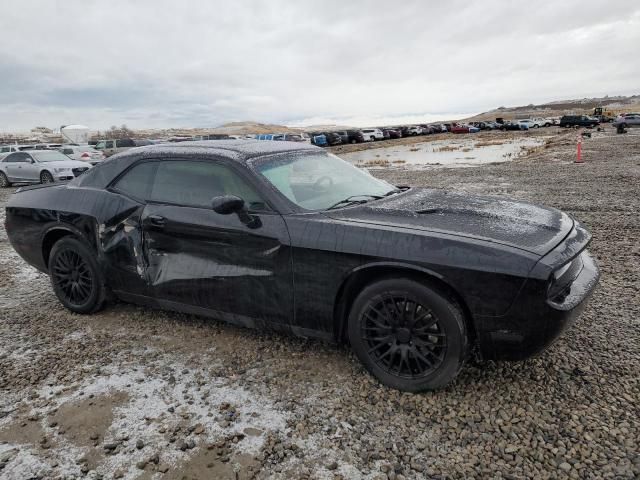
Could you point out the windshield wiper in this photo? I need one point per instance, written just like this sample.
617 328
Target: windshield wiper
352 201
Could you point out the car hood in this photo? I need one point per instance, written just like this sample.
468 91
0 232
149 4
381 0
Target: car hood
66 164
522 225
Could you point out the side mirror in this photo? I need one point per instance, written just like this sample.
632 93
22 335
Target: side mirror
226 204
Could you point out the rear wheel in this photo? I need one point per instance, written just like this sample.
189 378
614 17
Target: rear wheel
46 177
75 276
409 336
4 181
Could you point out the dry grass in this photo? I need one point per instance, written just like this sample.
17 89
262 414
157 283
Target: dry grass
447 148
486 143
378 162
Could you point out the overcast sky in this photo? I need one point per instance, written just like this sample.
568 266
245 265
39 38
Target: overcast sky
203 63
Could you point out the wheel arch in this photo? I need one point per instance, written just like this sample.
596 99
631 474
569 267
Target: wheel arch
364 275
55 233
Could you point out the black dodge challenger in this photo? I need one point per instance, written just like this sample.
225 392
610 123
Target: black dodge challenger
286 236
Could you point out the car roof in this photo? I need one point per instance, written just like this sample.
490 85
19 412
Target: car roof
236 150
240 150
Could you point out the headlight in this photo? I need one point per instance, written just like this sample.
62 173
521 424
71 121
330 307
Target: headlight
61 170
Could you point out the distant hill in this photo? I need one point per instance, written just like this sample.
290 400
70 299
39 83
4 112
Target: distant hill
243 128
613 105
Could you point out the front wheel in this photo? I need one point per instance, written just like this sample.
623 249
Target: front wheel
409 336
75 276
46 177
4 181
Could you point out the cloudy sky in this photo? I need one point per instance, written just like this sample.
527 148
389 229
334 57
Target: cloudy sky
159 63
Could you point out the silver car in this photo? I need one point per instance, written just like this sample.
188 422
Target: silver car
39 166
82 153
627 120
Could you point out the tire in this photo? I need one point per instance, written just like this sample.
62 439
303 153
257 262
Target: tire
46 177
4 181
535 125
382 332
75 276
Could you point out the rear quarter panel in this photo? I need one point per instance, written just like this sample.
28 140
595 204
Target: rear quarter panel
33 212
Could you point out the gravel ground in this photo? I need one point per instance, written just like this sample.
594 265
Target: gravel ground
136 393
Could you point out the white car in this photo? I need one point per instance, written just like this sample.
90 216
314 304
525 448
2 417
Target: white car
15 148
535 122
39 166
541 122
372 134
415 130
526 124
82 153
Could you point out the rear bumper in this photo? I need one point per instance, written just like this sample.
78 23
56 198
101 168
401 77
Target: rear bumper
534 322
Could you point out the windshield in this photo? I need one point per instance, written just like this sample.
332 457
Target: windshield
49 156
317 181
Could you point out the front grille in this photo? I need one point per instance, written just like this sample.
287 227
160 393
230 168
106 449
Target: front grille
79 171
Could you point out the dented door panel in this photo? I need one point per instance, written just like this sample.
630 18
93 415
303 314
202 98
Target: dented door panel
200 258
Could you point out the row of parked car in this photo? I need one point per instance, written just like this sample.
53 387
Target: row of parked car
330 138
102 149
92 154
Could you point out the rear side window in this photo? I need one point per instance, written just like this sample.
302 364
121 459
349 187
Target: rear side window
194 184
136 182
17 157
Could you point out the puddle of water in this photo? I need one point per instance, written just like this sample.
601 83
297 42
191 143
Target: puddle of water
454 152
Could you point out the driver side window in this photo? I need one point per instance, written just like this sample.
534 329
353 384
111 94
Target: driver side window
195 183
187 183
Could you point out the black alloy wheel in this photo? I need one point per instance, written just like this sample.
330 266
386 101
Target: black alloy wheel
408 335
75 276
46 177
404 337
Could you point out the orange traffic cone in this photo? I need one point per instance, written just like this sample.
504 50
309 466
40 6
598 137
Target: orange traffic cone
579 152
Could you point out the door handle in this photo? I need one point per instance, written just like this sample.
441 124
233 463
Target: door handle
157 220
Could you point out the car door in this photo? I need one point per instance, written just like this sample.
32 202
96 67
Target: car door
30 168
11 163
109 147
18 166
210 262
